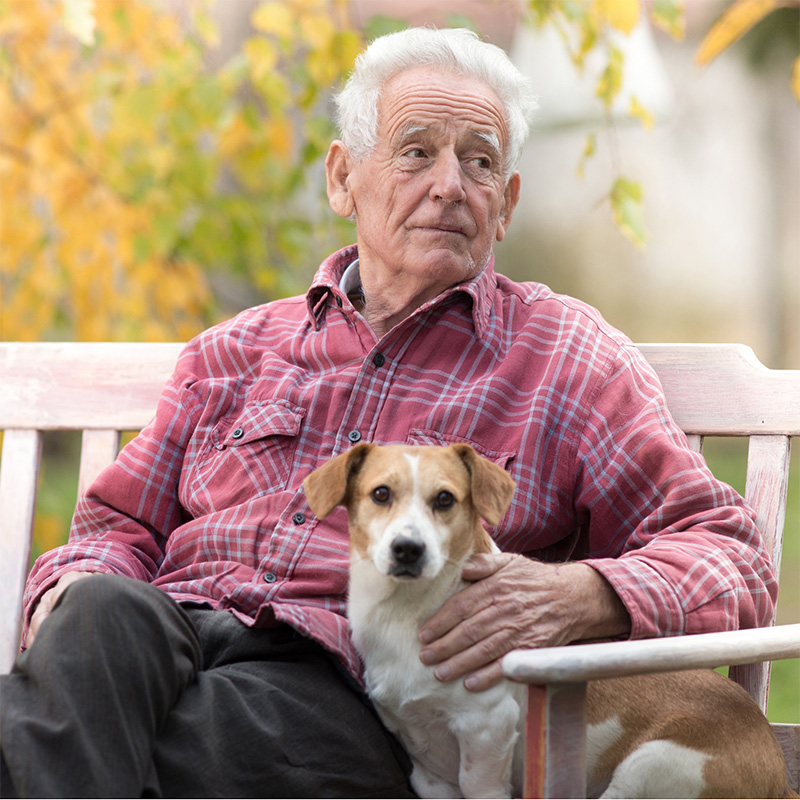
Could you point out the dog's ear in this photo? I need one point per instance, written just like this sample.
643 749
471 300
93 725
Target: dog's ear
492 487
327 486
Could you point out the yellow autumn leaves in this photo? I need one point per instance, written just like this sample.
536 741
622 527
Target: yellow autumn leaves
130 173
332 47
591 25
594 26
735 22
133 177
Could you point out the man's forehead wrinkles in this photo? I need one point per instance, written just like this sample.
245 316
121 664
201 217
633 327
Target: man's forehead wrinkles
453 105
404 122
414 128
414 101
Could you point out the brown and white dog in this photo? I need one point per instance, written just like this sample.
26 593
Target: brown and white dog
415 517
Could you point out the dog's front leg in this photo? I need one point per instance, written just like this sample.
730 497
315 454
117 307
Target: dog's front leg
487 748
426 784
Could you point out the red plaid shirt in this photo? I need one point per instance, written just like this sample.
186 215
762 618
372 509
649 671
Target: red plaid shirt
207 502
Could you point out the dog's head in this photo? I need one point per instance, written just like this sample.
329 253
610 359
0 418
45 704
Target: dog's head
412 509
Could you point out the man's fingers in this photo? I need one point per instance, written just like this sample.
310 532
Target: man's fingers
519 603
48 602
473 657
485 678
475 643
469 601
485 619
40 615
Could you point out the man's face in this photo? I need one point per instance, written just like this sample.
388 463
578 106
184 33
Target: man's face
431 198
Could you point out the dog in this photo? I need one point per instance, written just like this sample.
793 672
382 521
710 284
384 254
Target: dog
415 517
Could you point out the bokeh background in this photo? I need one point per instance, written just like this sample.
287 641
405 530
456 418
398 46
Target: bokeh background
160 170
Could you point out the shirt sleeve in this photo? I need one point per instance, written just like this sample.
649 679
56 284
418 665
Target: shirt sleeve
122 522
679 547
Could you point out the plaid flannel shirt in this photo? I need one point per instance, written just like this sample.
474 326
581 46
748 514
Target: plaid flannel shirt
207 502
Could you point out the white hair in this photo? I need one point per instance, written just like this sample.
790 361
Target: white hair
456 50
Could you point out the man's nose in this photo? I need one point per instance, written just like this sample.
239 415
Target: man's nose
447 179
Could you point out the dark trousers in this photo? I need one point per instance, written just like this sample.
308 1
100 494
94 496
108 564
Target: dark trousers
125 693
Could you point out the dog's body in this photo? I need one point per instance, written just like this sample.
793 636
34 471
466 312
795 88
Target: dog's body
455 738
414 520
415 517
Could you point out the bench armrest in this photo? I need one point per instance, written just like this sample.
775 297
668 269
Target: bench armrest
578 663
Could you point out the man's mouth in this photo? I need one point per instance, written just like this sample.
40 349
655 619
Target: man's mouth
443 227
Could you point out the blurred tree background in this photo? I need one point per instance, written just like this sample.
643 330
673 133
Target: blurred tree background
160 169
154 182
143 184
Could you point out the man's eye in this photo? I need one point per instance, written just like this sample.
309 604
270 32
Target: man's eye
482 163
381 495
444 500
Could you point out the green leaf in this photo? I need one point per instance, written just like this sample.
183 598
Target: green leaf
628 210
611 80
380 25
588 151
668 15
638 111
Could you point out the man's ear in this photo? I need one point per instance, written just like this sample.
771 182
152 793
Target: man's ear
510 200
337 171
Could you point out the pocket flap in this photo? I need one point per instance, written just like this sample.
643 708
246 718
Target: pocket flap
421 436
266 418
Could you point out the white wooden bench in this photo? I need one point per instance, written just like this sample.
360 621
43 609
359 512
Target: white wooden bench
712 390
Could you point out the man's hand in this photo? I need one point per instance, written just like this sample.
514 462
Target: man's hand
49 600
515 602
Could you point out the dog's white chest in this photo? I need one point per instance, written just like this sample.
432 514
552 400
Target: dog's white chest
447 731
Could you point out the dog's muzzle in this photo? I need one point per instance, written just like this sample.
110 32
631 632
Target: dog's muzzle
408 557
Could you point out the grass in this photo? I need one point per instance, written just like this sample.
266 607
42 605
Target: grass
726 457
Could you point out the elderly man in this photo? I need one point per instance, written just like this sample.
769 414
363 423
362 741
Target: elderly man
209 653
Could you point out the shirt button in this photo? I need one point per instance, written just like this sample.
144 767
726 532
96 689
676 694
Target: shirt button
354 436
299 518
270 577
238 433
379 359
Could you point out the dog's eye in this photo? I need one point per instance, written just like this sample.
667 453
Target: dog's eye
444 500
381 495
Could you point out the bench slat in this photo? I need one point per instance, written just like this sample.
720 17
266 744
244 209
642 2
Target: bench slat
695 442
766 488
78 386
723 389
99 449
19 481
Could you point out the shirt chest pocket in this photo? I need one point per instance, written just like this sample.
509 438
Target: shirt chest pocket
249 455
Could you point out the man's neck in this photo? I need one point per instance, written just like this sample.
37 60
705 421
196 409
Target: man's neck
385 306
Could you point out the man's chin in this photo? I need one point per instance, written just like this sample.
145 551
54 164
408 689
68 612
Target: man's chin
450 268
449 265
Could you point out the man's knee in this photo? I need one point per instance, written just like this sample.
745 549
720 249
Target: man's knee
116 600
111 591
110 612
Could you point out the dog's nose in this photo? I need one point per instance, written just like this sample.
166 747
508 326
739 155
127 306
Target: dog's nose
407 551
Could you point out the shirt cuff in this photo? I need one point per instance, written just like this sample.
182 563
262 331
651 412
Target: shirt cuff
652 602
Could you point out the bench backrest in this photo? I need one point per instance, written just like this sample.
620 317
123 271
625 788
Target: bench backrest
105 389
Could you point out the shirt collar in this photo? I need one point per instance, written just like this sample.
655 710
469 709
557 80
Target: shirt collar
338 276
